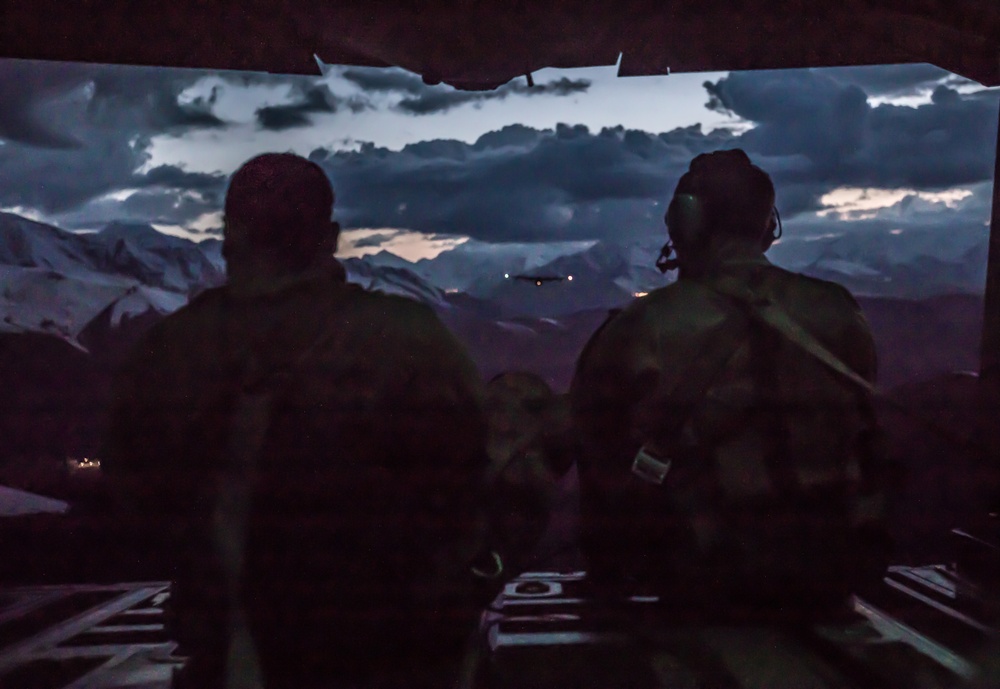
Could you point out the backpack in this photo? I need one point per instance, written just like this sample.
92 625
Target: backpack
213 612
721 516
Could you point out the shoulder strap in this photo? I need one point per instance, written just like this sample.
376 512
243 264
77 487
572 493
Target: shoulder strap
679 402
674 402
251 418
770 314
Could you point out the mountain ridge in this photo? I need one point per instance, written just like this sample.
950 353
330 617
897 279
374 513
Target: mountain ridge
62 284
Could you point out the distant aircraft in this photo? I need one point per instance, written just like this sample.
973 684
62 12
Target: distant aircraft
539 280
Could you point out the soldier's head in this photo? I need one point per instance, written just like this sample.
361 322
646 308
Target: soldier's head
277 217
723 198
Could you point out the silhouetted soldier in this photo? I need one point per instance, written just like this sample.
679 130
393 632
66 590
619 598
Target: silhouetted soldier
729 443
313 453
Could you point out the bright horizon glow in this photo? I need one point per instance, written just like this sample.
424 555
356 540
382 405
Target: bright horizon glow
924 97
182 232
406 244
856 203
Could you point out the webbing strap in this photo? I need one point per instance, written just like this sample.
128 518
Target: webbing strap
250 420
674 402
771 314
779 319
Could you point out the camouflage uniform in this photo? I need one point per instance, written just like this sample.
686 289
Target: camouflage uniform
362 521
530 450
775 468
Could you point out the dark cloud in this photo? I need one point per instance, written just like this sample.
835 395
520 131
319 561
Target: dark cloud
388 80
511 135
891 80
53 180
209 231
76 132
169 114
173 177
519 183
439 99
374 239
814 131
166 207
27 84
419 98
151 205
153 93
560 87
20 125
314 100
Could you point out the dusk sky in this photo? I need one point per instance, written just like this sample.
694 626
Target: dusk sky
581 155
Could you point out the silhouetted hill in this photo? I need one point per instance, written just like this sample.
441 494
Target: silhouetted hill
919 339
73 305
944 477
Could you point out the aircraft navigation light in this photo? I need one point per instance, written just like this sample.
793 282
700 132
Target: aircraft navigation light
538 282
569 277
506 275
640 294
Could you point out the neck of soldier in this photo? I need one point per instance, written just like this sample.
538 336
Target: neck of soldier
255 274
721 251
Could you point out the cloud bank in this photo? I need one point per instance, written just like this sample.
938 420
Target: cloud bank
814 131
74 147
418 98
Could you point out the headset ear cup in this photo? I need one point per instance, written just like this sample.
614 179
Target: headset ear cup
774 230
688 218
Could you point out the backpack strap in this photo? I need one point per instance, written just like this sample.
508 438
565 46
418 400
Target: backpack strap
675 401
771 314
251 417
678 402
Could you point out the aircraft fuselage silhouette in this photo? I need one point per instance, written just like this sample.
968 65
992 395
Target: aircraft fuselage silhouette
539 280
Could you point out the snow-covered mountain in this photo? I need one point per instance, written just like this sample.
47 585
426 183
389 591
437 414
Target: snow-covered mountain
915 264
62 283
602 276
138 252
140 260
153 258
47 301
56 282
32 244
474 267
910 264
73 305
392 280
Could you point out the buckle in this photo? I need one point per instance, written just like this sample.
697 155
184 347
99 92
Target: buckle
496 567
649 468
